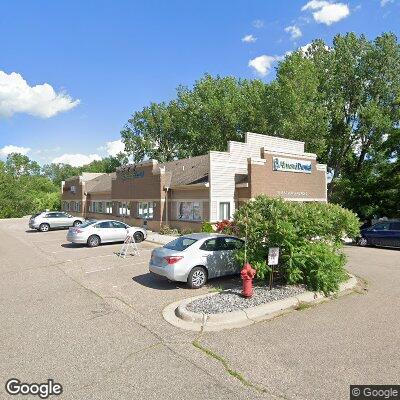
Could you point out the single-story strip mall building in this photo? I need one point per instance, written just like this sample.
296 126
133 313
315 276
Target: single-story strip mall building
184 193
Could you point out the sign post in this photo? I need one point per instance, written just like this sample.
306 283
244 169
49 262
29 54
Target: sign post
273 258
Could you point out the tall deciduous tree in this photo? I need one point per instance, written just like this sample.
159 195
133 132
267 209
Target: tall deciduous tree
200 119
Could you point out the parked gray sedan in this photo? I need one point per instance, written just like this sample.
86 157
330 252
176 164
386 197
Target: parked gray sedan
46 220
197 257
96 232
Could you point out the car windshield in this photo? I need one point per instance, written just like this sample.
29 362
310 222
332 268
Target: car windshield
180 243
87 223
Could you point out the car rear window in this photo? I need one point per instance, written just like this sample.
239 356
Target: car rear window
180 243
85 224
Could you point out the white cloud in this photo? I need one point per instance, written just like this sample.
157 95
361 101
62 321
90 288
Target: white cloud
314 5
249 39
6 150
327 13
16 96
258 23
305 48
386 2
76 160
263 64
295 31
115 147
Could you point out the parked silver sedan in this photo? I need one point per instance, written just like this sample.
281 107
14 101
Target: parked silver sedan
94 232
197 257
47 220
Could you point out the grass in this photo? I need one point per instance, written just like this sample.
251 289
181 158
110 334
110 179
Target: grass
217 289
304 306
235 374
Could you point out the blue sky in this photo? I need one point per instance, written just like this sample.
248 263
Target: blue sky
103 60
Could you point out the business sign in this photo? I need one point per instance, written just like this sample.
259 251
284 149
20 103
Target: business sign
291 165
273 256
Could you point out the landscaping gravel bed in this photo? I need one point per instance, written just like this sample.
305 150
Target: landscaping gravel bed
232 299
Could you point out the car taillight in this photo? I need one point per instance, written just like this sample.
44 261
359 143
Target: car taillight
78 230
172 259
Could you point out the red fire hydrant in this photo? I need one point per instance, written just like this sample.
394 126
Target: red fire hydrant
247 273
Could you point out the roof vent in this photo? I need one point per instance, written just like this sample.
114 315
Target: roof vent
183 167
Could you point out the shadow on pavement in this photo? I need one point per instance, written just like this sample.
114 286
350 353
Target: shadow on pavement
72 245
157 282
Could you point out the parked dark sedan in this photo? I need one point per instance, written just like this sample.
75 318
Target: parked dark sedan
385 233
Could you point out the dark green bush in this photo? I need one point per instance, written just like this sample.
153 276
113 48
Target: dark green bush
309 236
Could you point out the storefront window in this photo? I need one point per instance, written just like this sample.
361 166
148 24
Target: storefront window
124 209
109 207
146 210
189 211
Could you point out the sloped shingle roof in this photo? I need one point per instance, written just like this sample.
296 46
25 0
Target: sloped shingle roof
188 170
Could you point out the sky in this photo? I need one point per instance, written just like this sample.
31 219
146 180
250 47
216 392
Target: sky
73 72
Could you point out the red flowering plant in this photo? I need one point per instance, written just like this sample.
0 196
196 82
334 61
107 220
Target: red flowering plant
227 227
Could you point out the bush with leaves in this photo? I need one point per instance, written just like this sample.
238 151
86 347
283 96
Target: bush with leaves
167 230
206 227
309 236
226 226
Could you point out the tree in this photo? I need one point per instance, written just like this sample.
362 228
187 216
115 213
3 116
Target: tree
347 95
59 172
23 190
19 165
200 119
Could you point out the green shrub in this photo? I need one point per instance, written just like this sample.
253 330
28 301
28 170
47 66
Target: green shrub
186 231
207 227
167 230
309 236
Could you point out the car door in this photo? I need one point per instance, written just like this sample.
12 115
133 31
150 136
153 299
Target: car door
232 246
52 219
215 257
394 234
64 220
379 234
119 231
104 230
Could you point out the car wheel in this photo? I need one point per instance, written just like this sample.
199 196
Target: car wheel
93 241
44 227
197 277
77 223
138 236
362 242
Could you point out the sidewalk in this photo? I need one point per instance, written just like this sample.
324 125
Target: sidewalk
155 237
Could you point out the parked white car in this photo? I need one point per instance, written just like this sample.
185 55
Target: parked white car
196 258
94 232
47 220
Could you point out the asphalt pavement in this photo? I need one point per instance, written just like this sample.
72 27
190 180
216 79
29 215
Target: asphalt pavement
92 321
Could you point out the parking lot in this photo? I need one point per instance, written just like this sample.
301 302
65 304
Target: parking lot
92 321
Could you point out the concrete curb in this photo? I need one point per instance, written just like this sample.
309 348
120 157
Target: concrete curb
177 314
